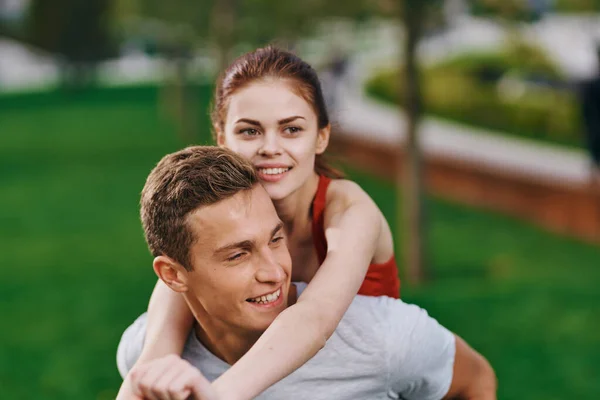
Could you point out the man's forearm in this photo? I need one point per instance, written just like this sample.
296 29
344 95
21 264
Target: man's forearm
485 385
473 376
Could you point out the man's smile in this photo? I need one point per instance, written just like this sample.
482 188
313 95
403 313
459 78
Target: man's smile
268 299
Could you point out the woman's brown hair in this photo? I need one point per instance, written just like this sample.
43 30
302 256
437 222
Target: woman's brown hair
271 62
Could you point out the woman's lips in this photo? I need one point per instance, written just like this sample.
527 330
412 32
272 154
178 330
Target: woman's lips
272 174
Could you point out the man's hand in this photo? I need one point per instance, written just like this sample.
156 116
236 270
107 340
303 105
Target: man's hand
166 378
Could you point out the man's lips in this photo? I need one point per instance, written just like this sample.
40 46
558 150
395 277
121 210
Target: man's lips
268 300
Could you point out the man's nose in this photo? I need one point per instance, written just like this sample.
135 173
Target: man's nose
269 270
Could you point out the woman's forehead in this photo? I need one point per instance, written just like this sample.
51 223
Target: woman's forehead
268 100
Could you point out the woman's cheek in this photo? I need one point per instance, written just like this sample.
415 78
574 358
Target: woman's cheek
246 149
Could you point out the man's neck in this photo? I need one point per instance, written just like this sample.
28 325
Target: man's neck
226 345
225 342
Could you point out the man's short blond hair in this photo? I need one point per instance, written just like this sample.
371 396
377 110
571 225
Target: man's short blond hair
182 182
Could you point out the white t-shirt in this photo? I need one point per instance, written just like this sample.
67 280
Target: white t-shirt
383 348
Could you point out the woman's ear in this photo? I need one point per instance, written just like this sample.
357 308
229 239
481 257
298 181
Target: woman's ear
323 139
220 138
173 274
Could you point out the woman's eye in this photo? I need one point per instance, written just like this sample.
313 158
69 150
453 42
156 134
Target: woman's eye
292 129
249 132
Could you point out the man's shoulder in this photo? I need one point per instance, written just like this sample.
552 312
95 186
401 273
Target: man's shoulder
379 309
381 321
375 314
418 351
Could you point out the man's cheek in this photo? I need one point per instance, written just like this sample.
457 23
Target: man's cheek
284 259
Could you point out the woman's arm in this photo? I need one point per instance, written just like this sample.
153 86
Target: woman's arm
352 227
169 324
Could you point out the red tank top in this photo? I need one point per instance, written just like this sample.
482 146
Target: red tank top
381 279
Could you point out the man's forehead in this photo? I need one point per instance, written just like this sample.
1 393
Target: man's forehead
224 213
236 218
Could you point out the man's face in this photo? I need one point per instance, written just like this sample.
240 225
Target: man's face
241 263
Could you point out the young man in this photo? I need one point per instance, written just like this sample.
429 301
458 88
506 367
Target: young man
218 241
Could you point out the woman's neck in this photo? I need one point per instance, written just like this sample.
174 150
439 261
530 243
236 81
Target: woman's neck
294 209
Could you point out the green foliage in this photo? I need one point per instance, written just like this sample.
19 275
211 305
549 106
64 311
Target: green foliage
464 89
577 5
520 10
167 25
255 22
509 10
75 29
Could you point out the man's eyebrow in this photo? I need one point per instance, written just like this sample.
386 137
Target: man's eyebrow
244 244
249 121
290 119
277 228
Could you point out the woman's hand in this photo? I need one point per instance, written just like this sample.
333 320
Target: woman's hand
166 378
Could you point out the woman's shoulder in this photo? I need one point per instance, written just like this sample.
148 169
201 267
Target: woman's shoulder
346 191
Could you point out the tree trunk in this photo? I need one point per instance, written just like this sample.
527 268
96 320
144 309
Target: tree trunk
224 16
177 97
413 218
186 102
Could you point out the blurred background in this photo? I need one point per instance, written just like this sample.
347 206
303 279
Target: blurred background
472 123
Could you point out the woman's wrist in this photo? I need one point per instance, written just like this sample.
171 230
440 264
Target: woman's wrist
225 392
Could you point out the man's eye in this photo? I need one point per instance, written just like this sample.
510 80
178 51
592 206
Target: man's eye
235 257
277 239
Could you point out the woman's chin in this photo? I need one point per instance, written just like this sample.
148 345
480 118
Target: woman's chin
275 192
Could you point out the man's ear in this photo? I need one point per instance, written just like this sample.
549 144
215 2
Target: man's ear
173 274
323 139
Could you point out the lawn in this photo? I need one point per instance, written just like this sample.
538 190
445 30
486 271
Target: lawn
76 270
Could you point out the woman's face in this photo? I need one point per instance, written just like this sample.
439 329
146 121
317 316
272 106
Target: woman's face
277 130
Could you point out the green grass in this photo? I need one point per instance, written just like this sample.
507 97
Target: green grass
76 271
526 299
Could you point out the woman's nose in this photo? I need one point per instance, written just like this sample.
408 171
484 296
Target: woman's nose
270 145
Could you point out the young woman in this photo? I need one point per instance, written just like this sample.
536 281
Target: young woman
269 108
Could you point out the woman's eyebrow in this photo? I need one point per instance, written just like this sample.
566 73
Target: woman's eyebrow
248 121
289 119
